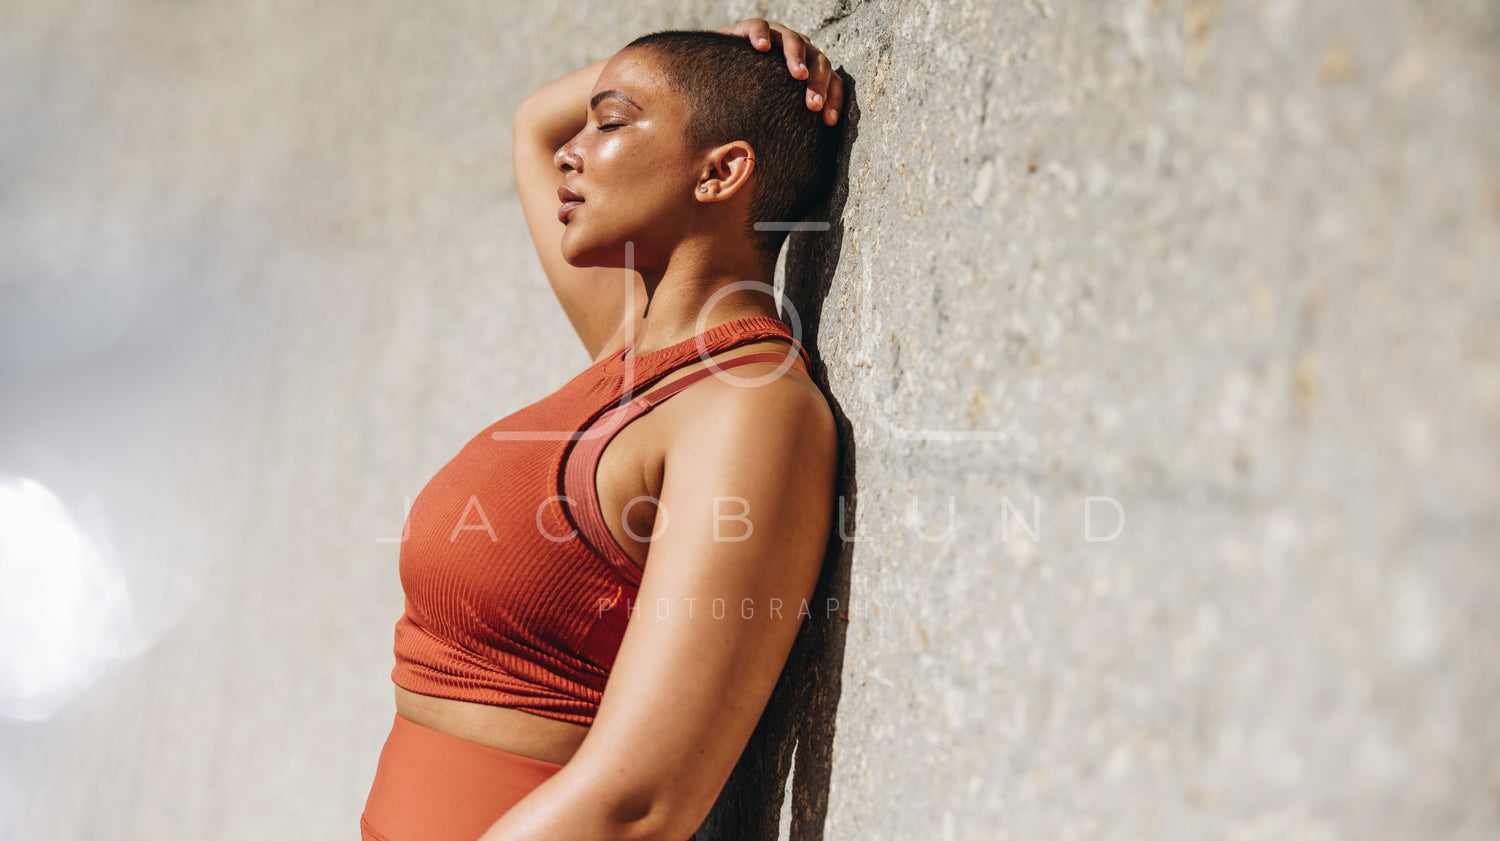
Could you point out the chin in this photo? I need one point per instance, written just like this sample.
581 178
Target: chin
594 255
573 255
581 259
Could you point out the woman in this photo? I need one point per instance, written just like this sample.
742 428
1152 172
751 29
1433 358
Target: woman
555 679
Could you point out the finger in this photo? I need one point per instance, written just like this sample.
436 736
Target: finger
741 28
794 47
835 103
759 33
818 80
756 29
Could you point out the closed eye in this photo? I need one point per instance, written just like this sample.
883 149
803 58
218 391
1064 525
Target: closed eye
609 126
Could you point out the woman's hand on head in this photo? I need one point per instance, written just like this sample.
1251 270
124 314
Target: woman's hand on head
825 90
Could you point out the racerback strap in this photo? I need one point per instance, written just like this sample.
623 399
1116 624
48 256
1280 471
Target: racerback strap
652 398
582 463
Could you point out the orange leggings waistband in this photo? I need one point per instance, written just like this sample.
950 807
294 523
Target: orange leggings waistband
432 786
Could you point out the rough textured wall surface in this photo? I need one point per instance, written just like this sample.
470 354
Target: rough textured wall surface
1226 266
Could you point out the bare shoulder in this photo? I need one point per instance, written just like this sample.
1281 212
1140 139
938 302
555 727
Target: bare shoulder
772 419
745 514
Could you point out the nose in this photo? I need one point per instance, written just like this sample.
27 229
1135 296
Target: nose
565 158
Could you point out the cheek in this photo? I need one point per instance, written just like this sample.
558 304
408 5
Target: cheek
638 180
642 160
646 187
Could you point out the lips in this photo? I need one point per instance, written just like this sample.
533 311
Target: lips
570 200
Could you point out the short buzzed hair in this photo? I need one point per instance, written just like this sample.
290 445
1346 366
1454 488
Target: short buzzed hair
736 92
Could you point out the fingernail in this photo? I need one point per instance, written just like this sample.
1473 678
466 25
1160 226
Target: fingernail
817 100
833 115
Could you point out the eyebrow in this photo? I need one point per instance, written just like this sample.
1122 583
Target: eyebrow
615 95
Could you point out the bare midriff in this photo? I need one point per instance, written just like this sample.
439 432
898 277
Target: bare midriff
501 728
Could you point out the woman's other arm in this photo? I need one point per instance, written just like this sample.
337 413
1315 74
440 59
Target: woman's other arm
594 299
741 534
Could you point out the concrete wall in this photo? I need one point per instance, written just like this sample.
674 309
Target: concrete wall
1228 264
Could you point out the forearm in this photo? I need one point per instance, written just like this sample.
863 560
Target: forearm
558 109
578 806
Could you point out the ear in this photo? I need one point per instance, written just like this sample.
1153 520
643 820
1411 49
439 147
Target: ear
726 171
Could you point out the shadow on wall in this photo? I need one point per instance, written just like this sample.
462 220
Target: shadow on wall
801 714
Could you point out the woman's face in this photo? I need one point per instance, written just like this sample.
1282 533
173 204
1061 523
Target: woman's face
631 166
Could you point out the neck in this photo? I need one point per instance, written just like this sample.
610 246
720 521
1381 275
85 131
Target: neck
679 293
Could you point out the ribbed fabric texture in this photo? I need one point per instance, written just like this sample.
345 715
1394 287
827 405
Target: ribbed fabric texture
508 600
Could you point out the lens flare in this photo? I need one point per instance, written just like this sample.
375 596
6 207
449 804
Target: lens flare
65 612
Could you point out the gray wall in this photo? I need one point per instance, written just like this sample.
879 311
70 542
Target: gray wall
1227 264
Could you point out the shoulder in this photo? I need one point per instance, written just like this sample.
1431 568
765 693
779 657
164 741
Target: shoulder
761 419
765 455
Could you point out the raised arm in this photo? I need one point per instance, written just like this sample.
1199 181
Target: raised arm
596 299
593 298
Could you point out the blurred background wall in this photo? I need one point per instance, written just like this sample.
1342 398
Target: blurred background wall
1229 265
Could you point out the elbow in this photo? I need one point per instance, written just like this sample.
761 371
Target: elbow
530 119
521 117
658 825
646 815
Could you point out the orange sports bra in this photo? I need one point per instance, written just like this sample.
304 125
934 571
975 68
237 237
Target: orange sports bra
508 567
